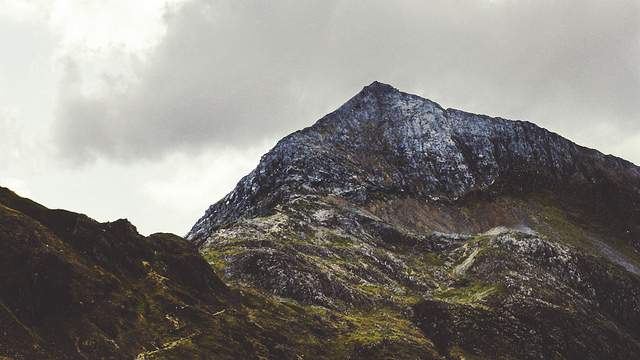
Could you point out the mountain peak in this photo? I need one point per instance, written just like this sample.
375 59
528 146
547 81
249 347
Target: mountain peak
378 86
384 142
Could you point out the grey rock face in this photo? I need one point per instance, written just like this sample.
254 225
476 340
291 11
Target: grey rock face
386 142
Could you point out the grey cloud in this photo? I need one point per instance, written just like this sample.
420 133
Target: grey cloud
230 73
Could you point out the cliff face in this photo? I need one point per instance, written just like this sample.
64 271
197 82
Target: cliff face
479 231
384 143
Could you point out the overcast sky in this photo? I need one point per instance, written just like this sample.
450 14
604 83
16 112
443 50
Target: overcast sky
152 110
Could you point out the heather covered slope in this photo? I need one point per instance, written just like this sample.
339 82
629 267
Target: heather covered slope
73 288
468 226
505 293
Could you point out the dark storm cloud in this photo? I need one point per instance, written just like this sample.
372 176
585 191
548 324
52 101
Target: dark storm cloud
230 73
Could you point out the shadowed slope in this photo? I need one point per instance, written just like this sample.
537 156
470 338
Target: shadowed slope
73 288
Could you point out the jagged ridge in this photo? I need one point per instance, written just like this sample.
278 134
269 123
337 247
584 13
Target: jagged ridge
383 141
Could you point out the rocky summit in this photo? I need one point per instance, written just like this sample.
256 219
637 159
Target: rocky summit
472 236
390 229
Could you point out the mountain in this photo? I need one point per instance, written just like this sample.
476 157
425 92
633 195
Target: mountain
390 229
471 236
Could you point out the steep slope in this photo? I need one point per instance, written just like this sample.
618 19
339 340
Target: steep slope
76 288
73 288
495 238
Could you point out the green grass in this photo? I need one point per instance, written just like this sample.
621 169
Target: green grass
380 331
216 257
473 295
